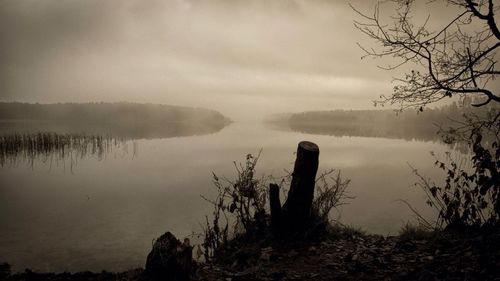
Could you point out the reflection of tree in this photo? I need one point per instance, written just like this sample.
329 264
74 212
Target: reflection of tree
367 130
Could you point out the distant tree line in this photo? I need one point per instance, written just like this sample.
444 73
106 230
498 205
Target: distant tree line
117 119
385 123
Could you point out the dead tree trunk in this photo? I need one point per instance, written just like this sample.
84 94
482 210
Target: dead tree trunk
296 211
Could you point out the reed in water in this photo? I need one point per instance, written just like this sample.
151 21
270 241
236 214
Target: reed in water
47 145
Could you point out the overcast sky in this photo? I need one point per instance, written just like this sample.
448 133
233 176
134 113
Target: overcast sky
236 56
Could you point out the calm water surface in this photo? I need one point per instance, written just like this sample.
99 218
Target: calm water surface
105 213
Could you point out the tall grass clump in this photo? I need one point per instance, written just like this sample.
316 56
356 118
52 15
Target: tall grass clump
410 232
330 194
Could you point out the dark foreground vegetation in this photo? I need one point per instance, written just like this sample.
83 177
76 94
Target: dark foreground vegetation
346 254
128 120
247 239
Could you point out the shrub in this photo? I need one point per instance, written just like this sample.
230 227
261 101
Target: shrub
470 197
330 193
411 232
239 202
240 206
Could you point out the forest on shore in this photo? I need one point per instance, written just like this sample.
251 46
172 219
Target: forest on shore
409 124
123 119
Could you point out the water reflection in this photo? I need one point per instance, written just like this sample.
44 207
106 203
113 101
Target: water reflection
408 132
69 138
44 146
143 130
105 215
406 125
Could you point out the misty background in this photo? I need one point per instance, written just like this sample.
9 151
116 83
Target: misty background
242 58
239 59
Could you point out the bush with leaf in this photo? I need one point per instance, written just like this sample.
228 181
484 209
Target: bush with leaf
469 197
240 206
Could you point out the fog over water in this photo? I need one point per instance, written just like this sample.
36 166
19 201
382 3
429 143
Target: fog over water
104 214
245 59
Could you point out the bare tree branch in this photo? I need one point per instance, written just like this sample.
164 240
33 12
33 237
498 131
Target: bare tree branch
453 60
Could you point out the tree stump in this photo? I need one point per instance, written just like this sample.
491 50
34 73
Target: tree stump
296 211
169 260
275 206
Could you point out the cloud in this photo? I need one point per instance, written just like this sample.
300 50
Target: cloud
178 51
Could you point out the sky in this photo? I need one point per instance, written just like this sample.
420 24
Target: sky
245 58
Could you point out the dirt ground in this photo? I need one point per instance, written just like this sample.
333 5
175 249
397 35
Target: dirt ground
369 258
351 257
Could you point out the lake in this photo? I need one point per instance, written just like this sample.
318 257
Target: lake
105 213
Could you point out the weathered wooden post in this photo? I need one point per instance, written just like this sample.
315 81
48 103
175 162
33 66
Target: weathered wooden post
297 209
